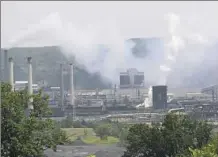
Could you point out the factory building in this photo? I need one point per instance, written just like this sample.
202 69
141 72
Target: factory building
131 79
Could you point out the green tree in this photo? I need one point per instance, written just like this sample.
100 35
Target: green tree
67 123
123 136
210 150
103 130
85 132
173 137
23 135
144 141
115 129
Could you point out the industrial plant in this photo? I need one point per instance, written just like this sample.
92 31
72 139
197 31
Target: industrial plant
130 100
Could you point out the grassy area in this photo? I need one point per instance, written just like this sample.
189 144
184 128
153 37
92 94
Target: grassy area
97 140
74 133
90 138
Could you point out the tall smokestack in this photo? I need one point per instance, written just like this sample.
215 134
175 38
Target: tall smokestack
30 81
72 93
1 75
71 84
11 73
5 65
62 85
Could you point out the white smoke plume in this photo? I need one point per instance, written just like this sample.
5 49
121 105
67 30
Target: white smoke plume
100 47
184 53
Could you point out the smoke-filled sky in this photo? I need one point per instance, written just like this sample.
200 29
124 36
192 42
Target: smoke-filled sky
135 19
188 29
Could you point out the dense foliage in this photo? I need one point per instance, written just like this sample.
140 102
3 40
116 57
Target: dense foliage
173 137
209 150
25 134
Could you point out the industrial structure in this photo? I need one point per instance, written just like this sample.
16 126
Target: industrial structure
159 97
131 79
11 73
211 90
203 104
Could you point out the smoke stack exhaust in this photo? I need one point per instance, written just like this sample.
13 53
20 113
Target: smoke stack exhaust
62 85
5 65
71 85
30 81
11 73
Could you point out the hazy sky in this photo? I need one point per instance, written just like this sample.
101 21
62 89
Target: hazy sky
134 19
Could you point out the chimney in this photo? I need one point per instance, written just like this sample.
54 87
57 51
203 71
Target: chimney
5 65
30 81
62 85
1 66
11 73
71 84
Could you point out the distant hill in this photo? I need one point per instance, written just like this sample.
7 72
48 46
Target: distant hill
46 67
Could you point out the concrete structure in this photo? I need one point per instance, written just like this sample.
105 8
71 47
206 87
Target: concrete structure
11 73
159 97
30 81
72 94
1 69
71 85
131 79
62 86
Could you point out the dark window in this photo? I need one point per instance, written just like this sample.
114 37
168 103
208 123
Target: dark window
138 79
124 80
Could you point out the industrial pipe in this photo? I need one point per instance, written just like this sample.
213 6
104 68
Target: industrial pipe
30 82
11 73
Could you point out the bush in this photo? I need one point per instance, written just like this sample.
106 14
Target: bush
210 150
103 131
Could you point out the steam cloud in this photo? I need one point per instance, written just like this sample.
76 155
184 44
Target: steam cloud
100 47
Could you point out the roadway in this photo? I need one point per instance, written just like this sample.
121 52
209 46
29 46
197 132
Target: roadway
83 151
